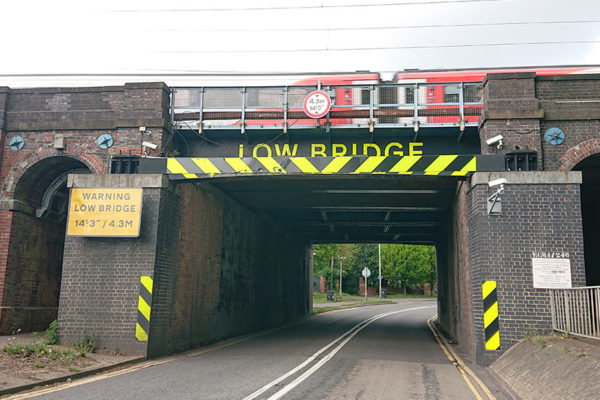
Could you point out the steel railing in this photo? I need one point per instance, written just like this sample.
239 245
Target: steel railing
576 311
353 106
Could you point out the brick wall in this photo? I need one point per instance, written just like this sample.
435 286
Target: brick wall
80 115
225 271
5 228
540 212
522 107
454 275
30 247
511 110
100 280
32 283
372 290
571 103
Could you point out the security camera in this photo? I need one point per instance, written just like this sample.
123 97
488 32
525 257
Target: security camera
142 129
496 140
497 182
151 145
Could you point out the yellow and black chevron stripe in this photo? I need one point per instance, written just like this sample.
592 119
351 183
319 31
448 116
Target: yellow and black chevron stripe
192 168
142 327
490 316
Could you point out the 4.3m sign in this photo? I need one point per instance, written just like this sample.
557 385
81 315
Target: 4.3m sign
104 212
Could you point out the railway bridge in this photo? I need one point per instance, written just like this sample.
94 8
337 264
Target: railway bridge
193 211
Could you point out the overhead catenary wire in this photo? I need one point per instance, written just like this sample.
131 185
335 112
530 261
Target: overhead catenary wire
308 7
372 28
261 74
416 47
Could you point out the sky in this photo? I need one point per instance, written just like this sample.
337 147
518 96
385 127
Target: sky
204 43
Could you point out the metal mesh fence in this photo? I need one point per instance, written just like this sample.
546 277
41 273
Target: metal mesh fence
384 105
576 311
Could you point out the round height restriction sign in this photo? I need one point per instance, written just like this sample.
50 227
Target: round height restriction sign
317 104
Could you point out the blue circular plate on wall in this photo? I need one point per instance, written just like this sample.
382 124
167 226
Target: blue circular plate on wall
16 143
554 136
105 141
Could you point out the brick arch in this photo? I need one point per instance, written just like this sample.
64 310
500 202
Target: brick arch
22 166
578 153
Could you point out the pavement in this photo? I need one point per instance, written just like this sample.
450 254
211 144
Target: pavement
552 368
21 379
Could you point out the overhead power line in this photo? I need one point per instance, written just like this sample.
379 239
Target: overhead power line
379 27
311 7
262 75
441 46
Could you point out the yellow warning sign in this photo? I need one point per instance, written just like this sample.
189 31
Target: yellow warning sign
105 212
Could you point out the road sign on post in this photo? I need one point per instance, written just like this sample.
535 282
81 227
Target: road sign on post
366 272
317 104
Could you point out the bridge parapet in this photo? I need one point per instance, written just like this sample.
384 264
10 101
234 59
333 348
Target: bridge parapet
353 106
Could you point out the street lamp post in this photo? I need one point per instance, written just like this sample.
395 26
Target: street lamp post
380 277
341 260
331 275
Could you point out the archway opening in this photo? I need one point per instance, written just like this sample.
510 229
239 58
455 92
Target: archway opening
590 195
34 267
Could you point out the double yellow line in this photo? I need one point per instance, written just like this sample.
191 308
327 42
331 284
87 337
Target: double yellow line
466 372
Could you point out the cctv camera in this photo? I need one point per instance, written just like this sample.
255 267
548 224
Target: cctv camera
142 129
495 140
151 145
497 182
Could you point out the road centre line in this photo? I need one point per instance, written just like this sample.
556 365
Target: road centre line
345 338
164 360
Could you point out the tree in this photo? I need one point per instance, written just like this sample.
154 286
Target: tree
322 261
412 265
366 255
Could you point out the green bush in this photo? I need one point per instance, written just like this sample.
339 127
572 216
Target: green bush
25 350
68 353
13 349
52 333
86 345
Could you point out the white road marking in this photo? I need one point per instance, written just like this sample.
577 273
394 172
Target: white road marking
346 337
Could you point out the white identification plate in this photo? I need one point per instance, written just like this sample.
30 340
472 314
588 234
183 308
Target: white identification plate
551 273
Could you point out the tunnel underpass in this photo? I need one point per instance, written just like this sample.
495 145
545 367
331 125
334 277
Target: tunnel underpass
376 209
350 209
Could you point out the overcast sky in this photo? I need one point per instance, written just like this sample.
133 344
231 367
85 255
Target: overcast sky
266 36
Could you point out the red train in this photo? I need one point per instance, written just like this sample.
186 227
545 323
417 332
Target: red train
439 97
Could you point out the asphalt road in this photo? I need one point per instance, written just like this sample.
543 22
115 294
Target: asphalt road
391 355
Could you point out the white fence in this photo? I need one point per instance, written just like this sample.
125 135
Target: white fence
576 311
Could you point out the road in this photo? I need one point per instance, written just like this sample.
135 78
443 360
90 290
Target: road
388 352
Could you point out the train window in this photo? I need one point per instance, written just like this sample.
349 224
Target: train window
471 94
365 96
410 95
451 93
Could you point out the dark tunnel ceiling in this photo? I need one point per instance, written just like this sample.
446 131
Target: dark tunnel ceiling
351 209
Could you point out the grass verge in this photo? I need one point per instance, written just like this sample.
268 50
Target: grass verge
318 310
